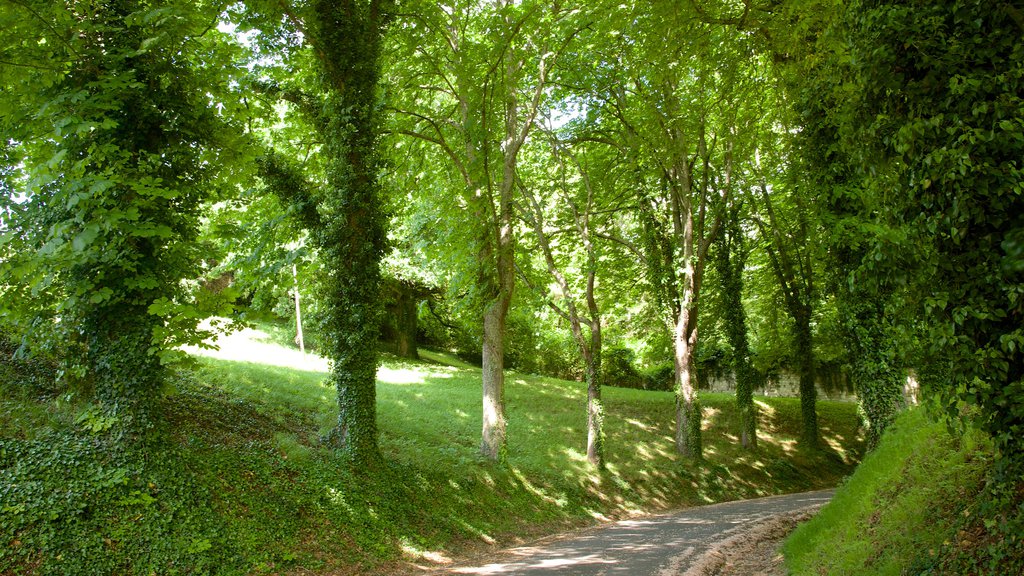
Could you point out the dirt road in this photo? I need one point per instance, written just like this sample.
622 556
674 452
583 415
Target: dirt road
696 541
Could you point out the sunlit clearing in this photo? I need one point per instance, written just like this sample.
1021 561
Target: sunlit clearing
765 408
400 375
249 345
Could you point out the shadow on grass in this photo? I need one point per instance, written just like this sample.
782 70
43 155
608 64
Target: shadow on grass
436 494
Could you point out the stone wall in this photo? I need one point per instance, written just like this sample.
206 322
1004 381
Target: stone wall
786 384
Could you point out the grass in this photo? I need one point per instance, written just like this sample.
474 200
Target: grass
252 491
905 509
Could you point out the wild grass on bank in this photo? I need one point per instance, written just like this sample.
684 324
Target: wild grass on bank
918 504
239 483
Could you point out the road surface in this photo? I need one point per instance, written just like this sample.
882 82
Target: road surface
663 545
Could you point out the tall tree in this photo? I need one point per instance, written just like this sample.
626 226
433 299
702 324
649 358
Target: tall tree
730 261
576 301
345 214
473 78
672 109
789 243
922 142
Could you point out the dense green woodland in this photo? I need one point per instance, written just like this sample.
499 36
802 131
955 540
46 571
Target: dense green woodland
629 194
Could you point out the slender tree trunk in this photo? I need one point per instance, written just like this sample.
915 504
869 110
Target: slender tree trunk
298 313
688 411
495 318
808 391
494 380
595 407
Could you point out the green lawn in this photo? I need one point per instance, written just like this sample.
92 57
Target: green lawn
242 485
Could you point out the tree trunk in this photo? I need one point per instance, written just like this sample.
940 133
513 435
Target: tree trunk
729 262
494 378
298 313
406 324
808 391
353 236
595 407
875 367
688 412
494 322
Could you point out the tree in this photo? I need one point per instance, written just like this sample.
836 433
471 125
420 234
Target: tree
674 114
789 245
108 107
345 215
730 260
474 75
916 111
576 202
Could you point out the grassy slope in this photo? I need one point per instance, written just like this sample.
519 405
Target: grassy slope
908 509
243 486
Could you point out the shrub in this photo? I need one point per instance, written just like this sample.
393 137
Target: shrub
618 369
660 377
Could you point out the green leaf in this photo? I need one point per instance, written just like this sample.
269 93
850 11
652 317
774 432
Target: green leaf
86 237
101 295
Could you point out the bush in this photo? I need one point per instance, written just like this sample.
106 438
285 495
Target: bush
618 369
660 377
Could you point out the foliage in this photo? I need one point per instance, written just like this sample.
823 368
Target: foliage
618 368
917 126
116 137
659 377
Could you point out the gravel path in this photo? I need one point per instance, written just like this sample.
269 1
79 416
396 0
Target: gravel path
702 541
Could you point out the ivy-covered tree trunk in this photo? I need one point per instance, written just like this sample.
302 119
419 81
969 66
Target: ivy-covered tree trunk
789 245
406 325
808 391
729 263
351 237
874 360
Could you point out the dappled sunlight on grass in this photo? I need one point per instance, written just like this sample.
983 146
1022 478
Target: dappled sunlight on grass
415 553
429 423
402 375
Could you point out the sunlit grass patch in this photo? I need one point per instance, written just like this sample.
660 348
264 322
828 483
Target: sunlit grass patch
899 508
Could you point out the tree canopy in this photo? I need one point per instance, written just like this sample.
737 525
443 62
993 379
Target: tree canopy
656 195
